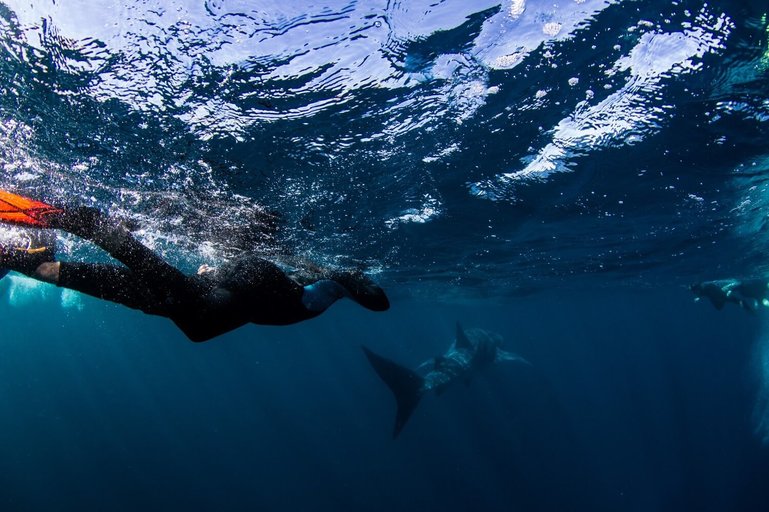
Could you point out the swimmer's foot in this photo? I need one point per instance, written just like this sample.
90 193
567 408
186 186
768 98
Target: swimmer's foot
362 290
26 251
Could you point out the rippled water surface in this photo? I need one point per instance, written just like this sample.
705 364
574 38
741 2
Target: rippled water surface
479 146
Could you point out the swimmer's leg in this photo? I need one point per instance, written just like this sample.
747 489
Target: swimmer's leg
200 321
149 268
103 281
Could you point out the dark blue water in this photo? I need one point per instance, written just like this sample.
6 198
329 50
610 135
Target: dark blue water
557 172
634 402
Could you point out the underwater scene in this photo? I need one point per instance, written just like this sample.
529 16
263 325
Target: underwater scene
566 203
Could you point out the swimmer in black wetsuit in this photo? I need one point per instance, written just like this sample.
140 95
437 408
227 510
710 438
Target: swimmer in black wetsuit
249 289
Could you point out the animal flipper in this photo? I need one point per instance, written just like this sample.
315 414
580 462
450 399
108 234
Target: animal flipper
718 301
503 355
405 384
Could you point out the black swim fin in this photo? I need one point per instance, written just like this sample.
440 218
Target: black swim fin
406 385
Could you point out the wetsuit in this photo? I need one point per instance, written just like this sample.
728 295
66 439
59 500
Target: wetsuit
248 289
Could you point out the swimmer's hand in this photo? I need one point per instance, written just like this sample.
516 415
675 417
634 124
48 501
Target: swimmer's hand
205 269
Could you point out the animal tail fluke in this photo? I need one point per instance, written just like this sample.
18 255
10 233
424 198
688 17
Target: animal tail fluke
406 385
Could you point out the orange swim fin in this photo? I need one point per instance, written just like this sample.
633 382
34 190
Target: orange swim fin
16 209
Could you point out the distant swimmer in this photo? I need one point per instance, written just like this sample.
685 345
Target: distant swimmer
248 289
749 294
472 351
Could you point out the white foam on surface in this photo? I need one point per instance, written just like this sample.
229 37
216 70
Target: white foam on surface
626 116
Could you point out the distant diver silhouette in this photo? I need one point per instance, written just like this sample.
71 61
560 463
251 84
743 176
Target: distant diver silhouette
249 289
750 294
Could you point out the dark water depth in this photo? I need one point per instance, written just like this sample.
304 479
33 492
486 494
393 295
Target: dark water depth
632 402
